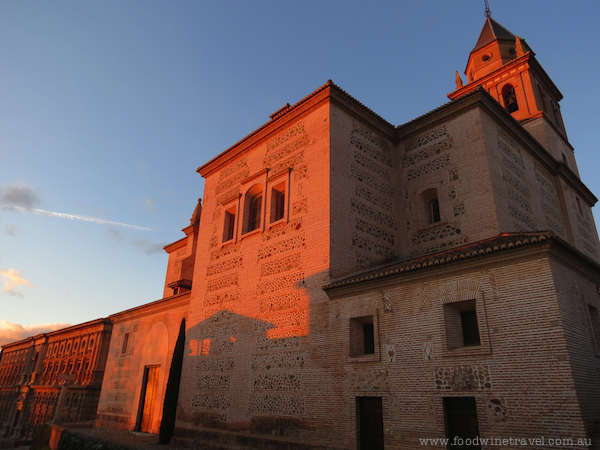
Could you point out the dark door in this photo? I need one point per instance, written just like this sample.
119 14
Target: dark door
462 428
369 416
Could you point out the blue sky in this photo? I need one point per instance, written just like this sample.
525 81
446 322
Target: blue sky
107 109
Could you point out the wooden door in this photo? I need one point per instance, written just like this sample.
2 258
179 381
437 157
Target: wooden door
149 397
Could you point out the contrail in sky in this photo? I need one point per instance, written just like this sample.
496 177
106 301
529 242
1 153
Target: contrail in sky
72 217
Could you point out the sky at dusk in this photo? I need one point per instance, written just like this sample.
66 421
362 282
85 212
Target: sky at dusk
107 108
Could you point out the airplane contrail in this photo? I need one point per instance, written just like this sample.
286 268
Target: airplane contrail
72 217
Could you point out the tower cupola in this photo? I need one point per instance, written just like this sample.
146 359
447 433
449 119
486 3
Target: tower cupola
505 66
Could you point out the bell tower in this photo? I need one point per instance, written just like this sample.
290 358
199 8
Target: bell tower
505 66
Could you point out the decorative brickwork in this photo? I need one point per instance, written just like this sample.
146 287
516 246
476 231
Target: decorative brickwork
280 265
377 154
295 130
277 382
372 380
223 266
431 166
300 206
291 243
289 360
369 245
217 330
284 151
437 232
369 136
228 196
497 411
371 180
282 229
375 231
426 138
279 302
265 343
215 365
211 382
290 319
285 405
225 251
286 164
373 214
278 283
300 172
372 166
221 297
212 401
410 159
458 208
234 167
453 174
230 182
222 282
42 408
373 198
462 378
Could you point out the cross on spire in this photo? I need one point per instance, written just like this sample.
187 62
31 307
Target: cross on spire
487 12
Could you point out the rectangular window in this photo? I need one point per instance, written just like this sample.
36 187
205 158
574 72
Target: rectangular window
470 330
595 326
462 328
362 336
125 344
278 202
229 228
460 417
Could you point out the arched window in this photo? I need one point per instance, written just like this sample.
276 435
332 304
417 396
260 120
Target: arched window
510 98
254 212
431 205
434 210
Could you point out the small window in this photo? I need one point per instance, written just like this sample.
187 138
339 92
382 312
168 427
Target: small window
510 98
229 225
175 291
432 205
278 202
595 327
362 336
125 344
462 328
434 210
460 417
254 216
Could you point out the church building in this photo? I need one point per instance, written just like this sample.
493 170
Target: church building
346 283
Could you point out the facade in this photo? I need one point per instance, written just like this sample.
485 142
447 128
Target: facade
363 285
33 371
348 283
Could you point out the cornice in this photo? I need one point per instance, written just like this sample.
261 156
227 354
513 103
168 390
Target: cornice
164 304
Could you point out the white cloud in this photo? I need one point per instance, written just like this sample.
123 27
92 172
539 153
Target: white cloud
12 279
12 332
20 194
71 216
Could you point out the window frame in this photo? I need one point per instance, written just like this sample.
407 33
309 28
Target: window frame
453 344
357 323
